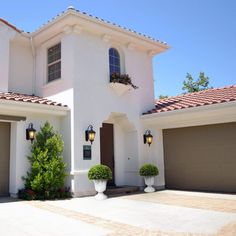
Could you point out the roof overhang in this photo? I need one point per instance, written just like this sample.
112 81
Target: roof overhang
100 27
8 107
209 114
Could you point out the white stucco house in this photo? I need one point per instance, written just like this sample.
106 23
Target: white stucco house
61 73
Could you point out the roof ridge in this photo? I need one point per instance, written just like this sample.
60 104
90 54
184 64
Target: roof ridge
73 10
21 94
213 96
29 98
117 25
199 92
70 9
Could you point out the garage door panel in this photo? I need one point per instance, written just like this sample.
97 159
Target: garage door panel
201 158
4 157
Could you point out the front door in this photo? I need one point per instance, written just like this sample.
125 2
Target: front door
107 148
4 158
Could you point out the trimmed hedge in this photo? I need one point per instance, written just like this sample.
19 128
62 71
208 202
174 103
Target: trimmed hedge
148 170
100 172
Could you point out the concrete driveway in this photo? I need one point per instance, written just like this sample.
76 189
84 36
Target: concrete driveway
164 213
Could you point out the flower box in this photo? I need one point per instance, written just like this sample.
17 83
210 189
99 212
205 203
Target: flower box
120 88
121 83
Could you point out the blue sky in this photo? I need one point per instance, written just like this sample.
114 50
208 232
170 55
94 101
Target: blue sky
201 33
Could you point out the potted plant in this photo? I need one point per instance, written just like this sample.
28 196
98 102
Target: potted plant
149 171
123 79
100 174
121 83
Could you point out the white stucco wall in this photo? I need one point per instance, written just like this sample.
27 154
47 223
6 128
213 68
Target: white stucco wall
21 74
6 34
84 87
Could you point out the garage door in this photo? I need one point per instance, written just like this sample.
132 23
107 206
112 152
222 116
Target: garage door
4 158
201 158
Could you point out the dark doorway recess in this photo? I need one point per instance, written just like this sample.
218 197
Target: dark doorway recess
107 149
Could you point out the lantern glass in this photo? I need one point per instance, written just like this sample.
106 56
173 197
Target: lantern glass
91 136
147 137
31 134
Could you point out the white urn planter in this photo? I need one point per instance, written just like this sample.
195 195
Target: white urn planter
149 181
100 187
149 171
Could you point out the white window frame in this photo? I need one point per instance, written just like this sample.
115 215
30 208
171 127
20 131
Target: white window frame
53 63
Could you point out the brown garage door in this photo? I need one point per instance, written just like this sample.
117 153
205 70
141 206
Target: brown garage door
4 158
201 158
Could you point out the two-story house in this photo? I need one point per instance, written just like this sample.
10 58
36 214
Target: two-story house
61 73
69 60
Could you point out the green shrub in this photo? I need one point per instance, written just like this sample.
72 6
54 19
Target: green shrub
98 172
29 194
46 178
148 170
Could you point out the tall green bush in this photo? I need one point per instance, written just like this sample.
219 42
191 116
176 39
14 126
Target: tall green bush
47 174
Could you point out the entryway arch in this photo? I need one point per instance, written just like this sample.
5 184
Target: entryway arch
119 149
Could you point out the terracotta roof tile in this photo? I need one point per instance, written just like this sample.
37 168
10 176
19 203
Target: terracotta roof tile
189 100
28 99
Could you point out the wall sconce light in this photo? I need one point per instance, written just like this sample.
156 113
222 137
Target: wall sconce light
90 134
147 137
30 133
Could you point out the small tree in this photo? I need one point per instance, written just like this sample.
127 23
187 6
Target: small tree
163 96
195 86
47 174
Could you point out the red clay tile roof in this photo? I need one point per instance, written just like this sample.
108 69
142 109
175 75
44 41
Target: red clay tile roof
17 97
10 25
189 100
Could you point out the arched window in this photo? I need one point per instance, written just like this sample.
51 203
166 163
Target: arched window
114 61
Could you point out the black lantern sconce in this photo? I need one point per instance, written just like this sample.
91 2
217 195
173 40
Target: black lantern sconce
147 137
90 134
30 133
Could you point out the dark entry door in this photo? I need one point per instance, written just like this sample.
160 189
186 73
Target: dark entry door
4 158
107 148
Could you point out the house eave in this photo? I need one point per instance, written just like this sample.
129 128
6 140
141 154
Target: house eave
17 107
190 110
204 115
71 17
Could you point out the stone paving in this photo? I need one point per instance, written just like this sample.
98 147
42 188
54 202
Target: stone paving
164 213
118 229
215 202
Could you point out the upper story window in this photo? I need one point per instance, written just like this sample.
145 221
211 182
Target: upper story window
114 61
54 62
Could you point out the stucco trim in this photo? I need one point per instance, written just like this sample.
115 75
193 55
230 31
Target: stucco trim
88 18
12 118
24 107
